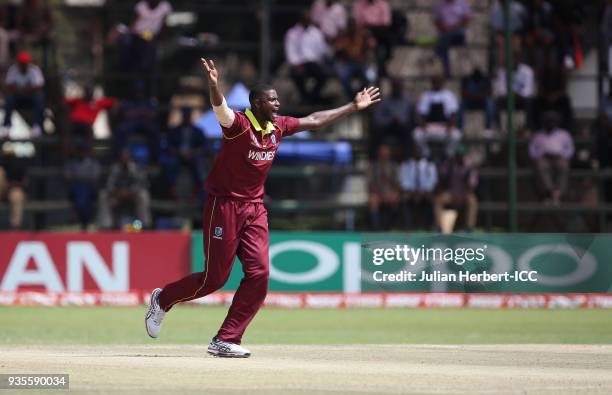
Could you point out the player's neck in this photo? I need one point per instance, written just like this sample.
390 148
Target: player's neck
260 118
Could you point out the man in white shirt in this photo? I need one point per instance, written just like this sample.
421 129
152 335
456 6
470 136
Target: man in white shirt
24 85
306 51
418 178
330 16
523 86
437 111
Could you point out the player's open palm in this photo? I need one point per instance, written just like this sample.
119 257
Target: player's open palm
211 70
366 97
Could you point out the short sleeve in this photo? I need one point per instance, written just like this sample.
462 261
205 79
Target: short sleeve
288 125
239 126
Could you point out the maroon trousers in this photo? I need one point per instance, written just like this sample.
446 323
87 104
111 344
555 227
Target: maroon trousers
231 228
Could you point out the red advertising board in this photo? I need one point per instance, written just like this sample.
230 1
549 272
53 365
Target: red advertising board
105 262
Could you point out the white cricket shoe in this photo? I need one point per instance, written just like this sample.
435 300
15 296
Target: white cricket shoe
155 315
219 348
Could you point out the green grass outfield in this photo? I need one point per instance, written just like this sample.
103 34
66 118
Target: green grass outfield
196 325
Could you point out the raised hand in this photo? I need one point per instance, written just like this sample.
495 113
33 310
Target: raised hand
366 97
211 70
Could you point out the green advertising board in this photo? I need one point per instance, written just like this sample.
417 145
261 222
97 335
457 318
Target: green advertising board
345 262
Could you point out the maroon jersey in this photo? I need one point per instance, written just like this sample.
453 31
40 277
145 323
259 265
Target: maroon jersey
241 167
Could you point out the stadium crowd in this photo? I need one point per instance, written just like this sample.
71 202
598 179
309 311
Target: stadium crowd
421 161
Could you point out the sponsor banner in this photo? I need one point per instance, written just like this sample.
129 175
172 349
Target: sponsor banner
105 262
332 300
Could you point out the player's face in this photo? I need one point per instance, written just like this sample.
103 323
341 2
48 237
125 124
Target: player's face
269 104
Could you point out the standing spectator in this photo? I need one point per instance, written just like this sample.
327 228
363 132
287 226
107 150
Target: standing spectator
451 18
418 179
383 187
375 15
457 187
186 147
437 111
353 48
83 113
330 16
35 25
13 181
306 52
393 119
476 95
126 186
551 150
24 86
523 86
83 175
138 114
552 93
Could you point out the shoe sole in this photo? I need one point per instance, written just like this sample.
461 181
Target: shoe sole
227 355
147 316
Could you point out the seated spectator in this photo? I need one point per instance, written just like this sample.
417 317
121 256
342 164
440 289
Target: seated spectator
83 113
353 48
451 17
306 52
552 93
383 188
330 16
476 95
551 150
13 181
83 175
436 111
35 24
518 26
126 186
457 187
186 145
138 115
418 179
393 118
24 88
375 15
523 86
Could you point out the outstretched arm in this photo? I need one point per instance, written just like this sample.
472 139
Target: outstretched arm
363 100
224 114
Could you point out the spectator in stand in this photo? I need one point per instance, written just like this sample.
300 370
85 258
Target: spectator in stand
306 52
476 95
24 86
375 15
83 175
518 26
384 191
186 147
606 32
551 150
13 182
393 119
451 17
552 93
83 113
437 111
126 186
418 179
138 114
353 48
523 86
457 187
35 25
330 16
602 131
138 43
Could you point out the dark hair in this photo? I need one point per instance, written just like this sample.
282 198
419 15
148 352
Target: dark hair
257 91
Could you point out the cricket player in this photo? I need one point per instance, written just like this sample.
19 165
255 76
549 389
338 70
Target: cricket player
235 220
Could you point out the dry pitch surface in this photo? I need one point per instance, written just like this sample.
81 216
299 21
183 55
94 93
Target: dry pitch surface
313 369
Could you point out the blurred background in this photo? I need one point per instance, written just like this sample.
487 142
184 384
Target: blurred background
107 124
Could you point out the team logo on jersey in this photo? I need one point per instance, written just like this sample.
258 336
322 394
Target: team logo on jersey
218 233
273 138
